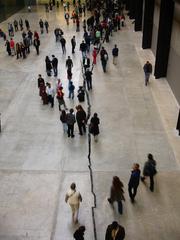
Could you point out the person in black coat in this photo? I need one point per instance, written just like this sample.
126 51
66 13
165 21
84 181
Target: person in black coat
55 65
88 75
149 171
79 233
134 181
48 66
81 119
37 44
115 231
94 126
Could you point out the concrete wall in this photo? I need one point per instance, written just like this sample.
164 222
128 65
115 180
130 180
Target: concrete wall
9 7
155 27
173 72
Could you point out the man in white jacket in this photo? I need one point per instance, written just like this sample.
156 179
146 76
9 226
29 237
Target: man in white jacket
73 198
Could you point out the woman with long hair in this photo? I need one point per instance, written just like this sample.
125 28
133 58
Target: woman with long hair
117 193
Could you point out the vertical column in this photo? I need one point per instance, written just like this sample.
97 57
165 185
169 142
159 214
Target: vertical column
164 38
132 6
138 15
148 23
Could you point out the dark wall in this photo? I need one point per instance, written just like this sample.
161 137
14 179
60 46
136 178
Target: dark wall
9 7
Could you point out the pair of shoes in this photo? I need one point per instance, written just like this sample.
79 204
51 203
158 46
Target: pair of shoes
109 200
142 179
151 189
132 200
72 136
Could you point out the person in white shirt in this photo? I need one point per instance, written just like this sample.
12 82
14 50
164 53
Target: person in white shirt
73 198
50 93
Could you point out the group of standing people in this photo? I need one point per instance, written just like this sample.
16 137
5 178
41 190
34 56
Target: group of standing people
21 49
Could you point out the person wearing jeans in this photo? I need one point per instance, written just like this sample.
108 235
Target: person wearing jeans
70 122
147 71
117 193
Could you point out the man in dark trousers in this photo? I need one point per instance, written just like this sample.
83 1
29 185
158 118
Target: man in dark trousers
55 65
63 44
70 122
134 181
147 71
149 170
115 231
88 75
104 58
69 63
37 44
73 43
40 80
83 49
115 52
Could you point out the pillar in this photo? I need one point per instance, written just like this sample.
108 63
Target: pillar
138 15
132 6
148 23
164 38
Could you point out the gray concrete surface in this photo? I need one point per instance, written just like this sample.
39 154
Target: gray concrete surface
38 162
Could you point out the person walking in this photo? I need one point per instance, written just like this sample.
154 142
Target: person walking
60 98
55 65
88 75
115 231
83 49
115 52
41 25
70 122
27 24
12 46
117 193
46 24
71 90
21 24
79 233
81 119
69 63
134 181
94 126
73 44
149 170
50 93
16 25
66 16
8 49
48 66
63 44
74 198
94 54
104 58
147 71
37 44
18 50
63 118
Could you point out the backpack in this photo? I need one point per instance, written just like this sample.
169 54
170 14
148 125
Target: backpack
105 57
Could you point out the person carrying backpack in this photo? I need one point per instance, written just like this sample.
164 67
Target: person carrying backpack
149 171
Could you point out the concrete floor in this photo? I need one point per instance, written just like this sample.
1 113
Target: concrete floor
38 163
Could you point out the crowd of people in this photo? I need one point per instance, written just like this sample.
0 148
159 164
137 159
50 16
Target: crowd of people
97 29
22 48
74 197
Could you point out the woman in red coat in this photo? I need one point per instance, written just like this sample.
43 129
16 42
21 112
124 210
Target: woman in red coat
94 54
